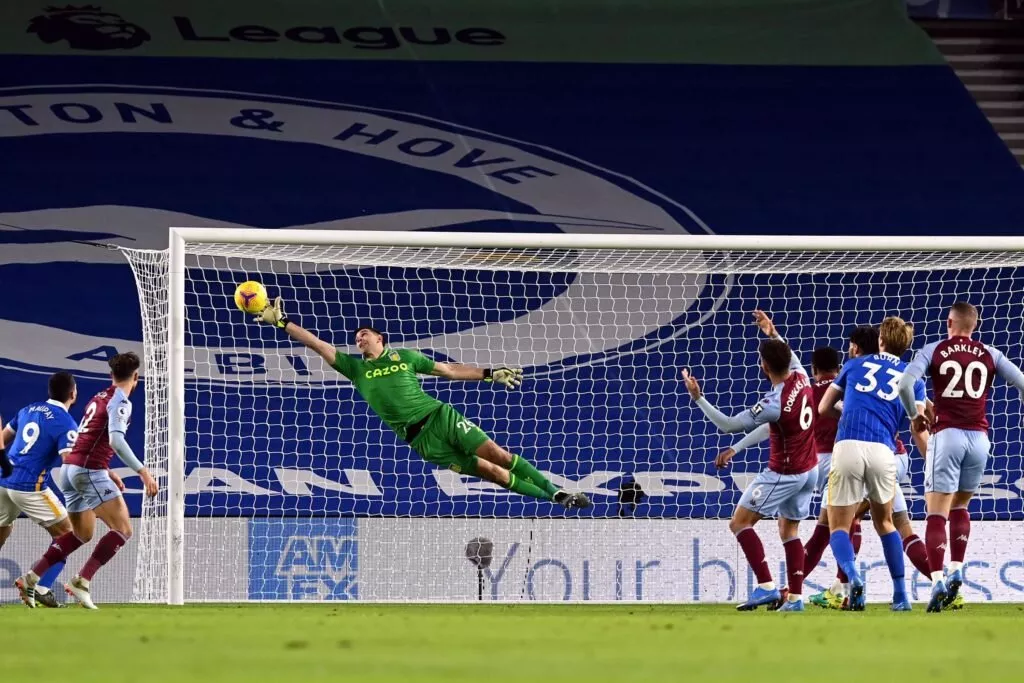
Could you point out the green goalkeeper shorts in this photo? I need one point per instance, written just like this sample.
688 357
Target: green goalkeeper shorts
449 440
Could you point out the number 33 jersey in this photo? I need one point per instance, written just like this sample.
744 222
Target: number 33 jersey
871 406
108 411
962 370
42 432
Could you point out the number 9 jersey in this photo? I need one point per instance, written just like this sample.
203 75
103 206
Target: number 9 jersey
42 431
872 410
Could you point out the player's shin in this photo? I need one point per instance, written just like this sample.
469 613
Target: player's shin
795 559
526 487
915 549
753 549
815 548
892 548
522 468
59 549
959 534
842 550
47 580
104 551
935 538
855 539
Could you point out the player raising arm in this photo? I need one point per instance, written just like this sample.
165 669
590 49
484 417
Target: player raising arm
961 370
39 436
387 380
785 415
863 457
88 487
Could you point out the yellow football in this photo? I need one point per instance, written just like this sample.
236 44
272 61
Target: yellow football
251 297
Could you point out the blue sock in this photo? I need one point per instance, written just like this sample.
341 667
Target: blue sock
892 546
47 579
842 550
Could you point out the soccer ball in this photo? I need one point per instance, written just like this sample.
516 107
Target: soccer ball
251 297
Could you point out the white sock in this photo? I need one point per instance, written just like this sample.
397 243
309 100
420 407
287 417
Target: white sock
937 576
955 566
837 587
770 586
42 590
846 589
795 597
31 578
83 582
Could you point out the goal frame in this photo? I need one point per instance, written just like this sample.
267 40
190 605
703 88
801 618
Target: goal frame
180 237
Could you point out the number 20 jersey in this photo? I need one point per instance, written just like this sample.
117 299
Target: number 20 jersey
962 370
871 406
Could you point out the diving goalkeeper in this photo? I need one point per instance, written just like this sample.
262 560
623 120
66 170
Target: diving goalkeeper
387 380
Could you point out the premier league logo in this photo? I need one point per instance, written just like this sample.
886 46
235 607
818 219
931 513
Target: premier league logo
87 28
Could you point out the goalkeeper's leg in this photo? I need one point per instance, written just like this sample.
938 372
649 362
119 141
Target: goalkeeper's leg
523 477
516 464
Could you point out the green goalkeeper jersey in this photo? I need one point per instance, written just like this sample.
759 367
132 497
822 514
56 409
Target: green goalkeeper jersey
390 385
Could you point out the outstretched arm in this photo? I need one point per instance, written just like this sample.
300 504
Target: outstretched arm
274 315
754 437
741 422
764 322
510 378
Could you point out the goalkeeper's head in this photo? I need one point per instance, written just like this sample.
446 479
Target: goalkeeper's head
370 341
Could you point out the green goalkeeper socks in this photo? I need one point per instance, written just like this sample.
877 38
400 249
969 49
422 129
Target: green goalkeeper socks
526 487
523 469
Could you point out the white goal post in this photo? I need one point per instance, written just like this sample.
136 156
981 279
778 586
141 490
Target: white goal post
279 485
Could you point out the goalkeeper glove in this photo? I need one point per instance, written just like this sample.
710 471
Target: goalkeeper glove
6 468
273 314
510 378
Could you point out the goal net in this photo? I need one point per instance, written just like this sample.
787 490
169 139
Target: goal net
280 484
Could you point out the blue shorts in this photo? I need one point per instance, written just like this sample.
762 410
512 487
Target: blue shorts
84 489
781 495
956 460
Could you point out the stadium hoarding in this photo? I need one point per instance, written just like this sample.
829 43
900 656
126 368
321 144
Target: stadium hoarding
678 561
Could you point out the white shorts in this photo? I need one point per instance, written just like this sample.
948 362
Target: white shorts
42 507
861 469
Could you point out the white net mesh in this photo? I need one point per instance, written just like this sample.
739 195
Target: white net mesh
294 490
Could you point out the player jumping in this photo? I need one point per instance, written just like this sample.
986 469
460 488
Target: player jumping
962 371
39 436
786 485
387 380
863 457
89 488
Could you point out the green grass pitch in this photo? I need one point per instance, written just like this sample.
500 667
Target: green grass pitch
364 643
